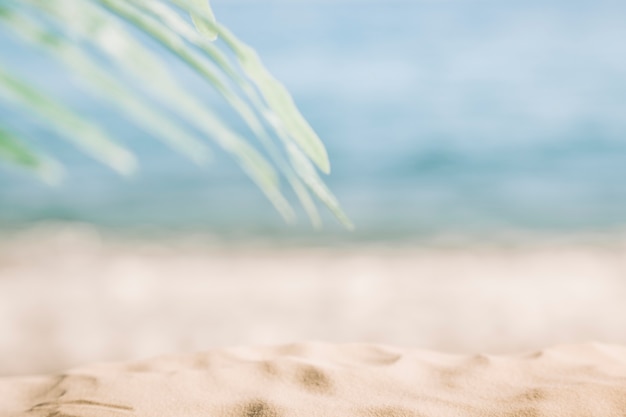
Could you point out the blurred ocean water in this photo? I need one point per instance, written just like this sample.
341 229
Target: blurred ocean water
440 117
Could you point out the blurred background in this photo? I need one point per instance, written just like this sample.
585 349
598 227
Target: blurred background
479 147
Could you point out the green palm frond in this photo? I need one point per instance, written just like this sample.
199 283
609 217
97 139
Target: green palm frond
69 30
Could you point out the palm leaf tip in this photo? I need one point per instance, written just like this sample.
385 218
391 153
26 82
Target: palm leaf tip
279 100
281 107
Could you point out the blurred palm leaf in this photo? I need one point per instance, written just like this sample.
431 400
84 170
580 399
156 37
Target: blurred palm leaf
13 150
68 30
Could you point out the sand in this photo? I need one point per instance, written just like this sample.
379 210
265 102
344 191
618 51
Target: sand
314 379
70 297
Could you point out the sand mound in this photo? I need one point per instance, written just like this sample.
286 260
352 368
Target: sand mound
328 380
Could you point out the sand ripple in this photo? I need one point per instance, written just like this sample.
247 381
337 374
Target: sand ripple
314 379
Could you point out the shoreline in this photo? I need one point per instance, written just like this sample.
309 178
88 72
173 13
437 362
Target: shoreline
325 238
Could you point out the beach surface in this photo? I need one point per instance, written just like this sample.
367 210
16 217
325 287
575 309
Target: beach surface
334 380
70 296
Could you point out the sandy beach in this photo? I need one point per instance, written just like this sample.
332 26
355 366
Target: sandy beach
102 326
324 380
70 297
312 208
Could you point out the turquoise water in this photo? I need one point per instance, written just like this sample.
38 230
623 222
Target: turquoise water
440 117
